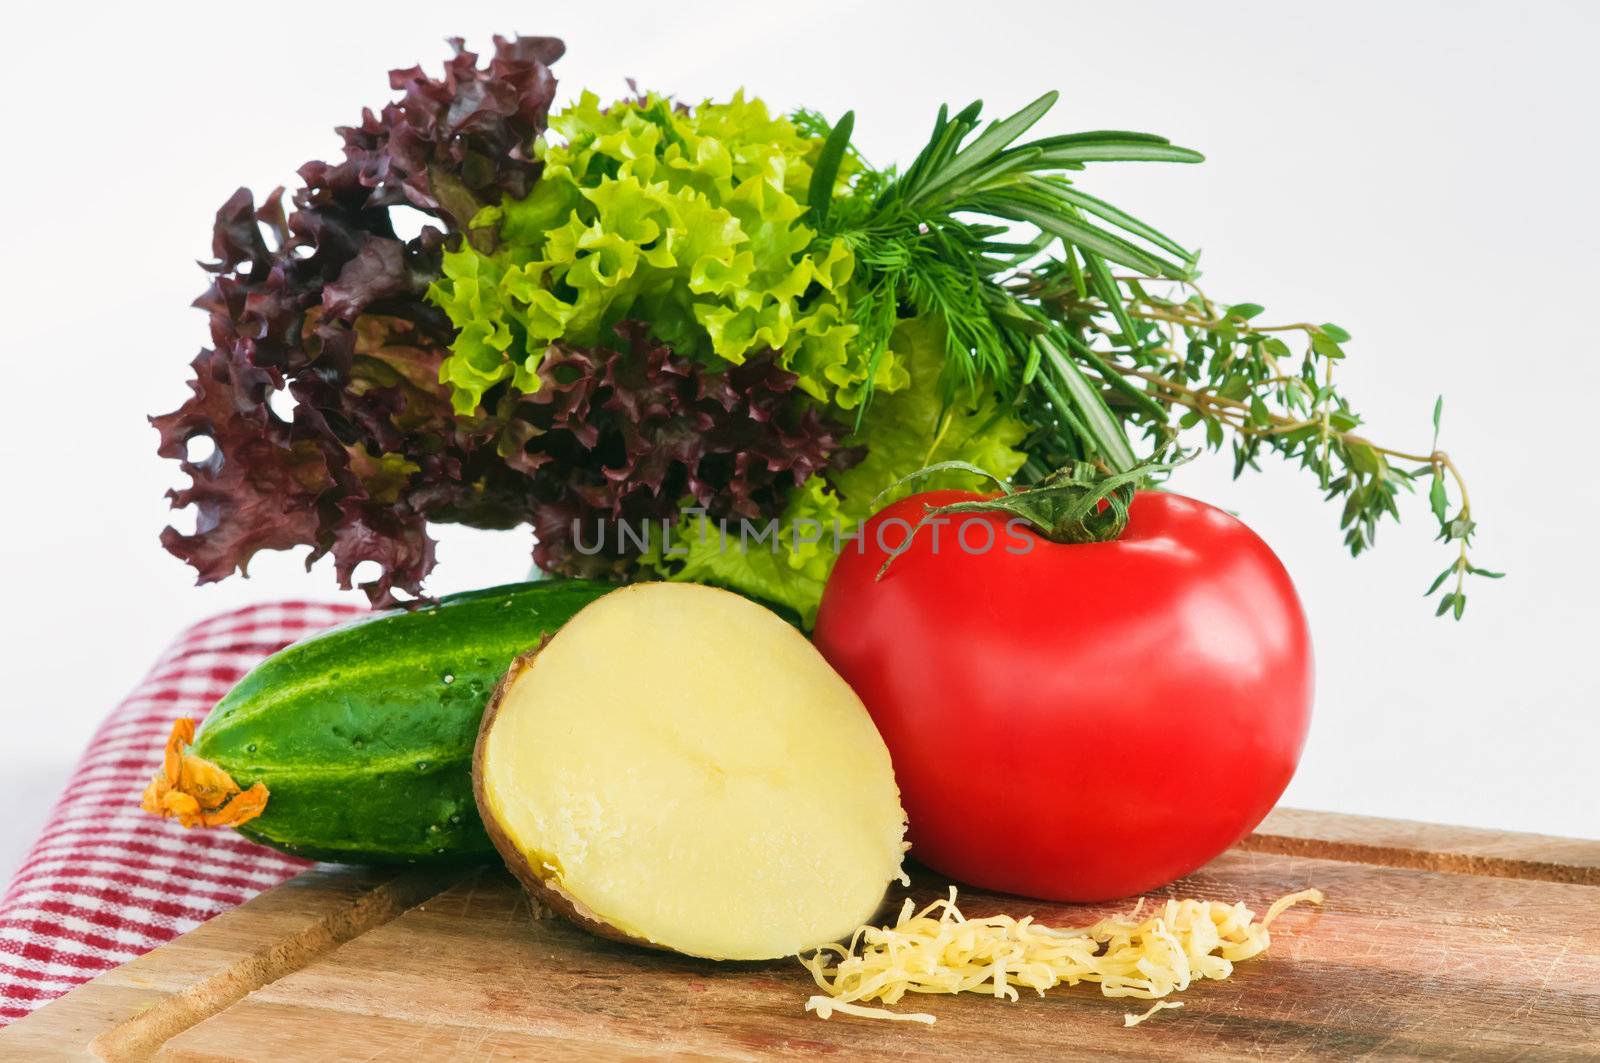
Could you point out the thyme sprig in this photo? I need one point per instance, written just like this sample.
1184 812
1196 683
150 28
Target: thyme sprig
987 234
1245 387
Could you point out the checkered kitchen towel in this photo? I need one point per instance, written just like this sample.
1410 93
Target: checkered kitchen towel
106 882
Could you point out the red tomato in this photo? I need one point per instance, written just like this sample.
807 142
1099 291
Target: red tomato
1074 722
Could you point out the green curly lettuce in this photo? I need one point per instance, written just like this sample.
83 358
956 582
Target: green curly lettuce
915 428
784 563
690 220
788 562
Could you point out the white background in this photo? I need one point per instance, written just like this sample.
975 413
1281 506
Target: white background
1423 174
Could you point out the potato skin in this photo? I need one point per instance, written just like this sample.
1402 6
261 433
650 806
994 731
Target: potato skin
541 889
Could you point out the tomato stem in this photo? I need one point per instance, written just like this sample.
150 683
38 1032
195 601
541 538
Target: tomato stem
1078 503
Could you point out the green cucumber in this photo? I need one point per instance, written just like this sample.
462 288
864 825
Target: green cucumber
363 734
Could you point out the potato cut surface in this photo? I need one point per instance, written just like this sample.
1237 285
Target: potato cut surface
687 769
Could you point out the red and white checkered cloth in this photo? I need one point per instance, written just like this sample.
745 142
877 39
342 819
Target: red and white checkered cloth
106 882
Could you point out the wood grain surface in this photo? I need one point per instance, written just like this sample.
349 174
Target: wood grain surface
1434 943
1430 846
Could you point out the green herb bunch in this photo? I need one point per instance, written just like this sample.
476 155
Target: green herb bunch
1091 326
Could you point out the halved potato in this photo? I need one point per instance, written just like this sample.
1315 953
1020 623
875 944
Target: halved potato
678 767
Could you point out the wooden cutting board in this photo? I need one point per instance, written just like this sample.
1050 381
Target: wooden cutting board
1434 942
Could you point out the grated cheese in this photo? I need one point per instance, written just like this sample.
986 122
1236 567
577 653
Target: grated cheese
1131 1019
939 950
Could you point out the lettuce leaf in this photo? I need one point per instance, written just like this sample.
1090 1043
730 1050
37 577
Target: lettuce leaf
900 433
784 562
629 318
630 435
326 302
914 428
689 220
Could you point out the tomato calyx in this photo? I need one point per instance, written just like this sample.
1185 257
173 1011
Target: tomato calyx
1078 503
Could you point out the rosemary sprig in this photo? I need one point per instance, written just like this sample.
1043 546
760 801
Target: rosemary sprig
986 233
940 236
